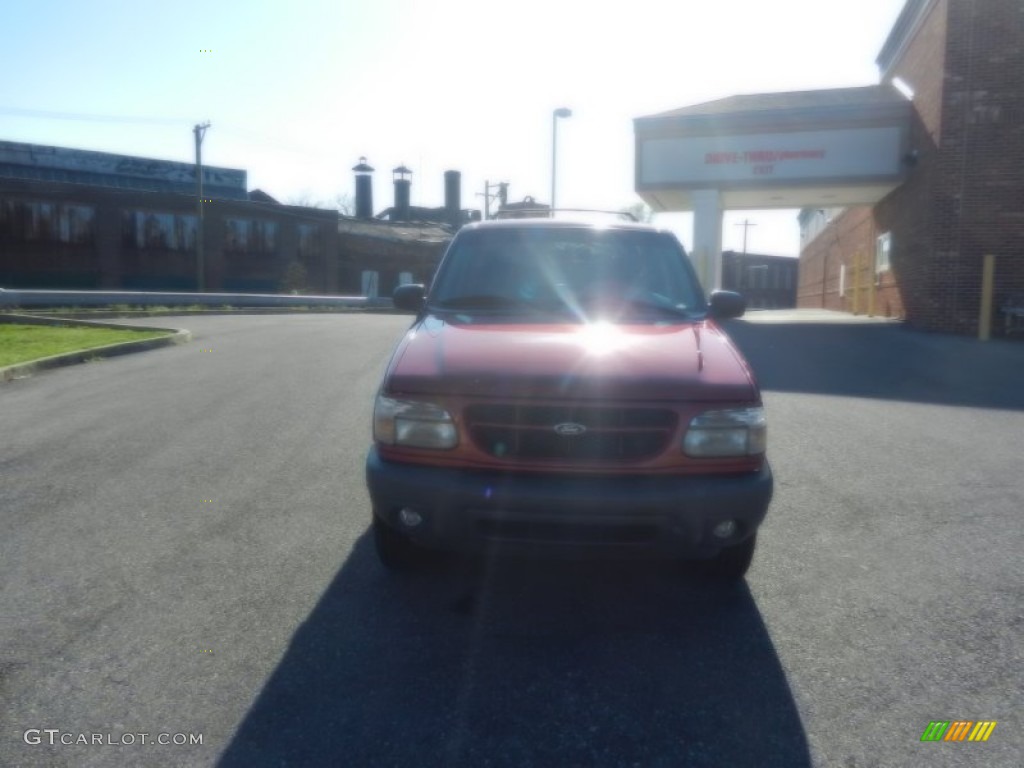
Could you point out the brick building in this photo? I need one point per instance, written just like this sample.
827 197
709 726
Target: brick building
375 256
401 244
79 220
918 252
766 282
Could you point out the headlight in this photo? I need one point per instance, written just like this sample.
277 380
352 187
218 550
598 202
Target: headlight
732 432
414 424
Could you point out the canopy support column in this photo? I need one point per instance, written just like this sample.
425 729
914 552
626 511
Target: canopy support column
707 237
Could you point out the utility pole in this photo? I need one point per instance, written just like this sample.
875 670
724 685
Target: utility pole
200 131
746 224
488 196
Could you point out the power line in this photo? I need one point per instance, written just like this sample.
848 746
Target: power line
257 139
79 116
274 142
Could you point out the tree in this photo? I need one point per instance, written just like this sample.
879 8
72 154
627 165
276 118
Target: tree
294 278
344 204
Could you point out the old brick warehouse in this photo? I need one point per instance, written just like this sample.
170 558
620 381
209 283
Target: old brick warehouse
77 219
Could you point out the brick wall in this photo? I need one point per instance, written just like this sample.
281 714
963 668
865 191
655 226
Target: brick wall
106 260
908 214
978 201
388 257
829 268
964 194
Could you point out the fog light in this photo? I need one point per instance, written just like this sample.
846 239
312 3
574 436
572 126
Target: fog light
410 517
724 529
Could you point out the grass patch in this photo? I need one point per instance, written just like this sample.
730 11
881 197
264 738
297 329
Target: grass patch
21 343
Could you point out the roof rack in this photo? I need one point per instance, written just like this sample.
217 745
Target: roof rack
548 213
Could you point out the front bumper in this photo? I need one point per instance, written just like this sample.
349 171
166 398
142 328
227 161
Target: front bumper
475 511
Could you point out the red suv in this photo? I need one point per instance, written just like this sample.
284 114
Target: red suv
565 388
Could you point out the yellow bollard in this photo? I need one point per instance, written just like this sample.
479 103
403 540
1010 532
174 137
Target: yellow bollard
856 283
988 274
872 289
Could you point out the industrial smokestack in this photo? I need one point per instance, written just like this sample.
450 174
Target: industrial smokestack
453 197
364 190
402 187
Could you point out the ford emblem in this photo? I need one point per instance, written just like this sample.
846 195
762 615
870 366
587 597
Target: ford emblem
570 429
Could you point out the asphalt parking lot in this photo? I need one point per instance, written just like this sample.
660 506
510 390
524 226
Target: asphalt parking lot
185 552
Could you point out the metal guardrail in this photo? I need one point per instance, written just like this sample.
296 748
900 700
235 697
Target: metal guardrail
35 298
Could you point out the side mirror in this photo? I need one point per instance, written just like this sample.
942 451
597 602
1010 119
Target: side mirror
726 304
409 297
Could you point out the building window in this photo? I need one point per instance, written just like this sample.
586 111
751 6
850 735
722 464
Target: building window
250 236
882 250
36 221
760 276
370 283
309 242
155 230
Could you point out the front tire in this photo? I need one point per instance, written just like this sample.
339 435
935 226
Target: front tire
731 564
395 550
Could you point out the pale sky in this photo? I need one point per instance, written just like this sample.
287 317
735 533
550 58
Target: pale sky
297 90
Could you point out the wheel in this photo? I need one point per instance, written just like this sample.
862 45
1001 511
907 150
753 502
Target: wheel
395 551
731 564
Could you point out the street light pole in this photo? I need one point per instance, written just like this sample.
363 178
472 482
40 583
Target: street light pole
560 112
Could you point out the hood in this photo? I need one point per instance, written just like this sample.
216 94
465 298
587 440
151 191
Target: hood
690 361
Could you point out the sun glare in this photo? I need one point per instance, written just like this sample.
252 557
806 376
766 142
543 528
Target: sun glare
601 337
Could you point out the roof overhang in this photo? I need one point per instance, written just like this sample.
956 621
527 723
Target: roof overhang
788 150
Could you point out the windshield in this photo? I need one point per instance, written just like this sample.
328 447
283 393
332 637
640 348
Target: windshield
587 273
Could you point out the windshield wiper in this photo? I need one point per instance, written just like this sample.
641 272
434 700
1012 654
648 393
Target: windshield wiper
646 305
481 301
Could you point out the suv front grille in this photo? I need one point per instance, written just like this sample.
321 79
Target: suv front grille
570 433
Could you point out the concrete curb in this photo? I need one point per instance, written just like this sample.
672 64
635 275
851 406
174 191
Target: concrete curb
22 370
797 316
239 312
